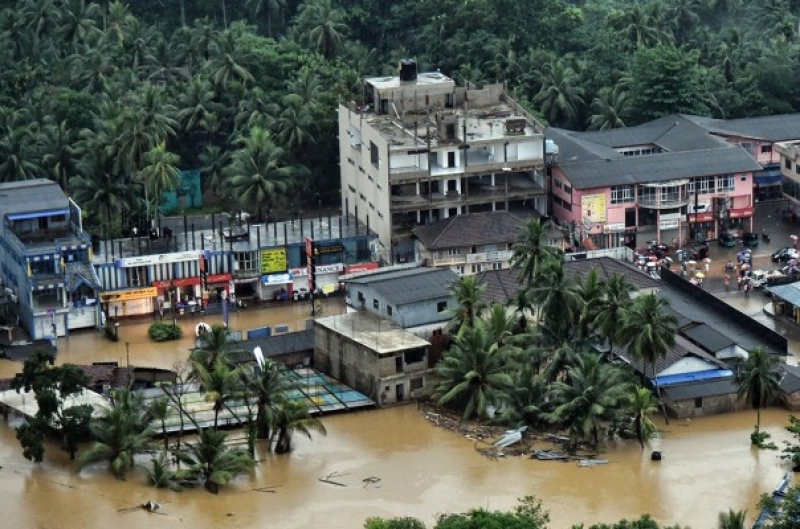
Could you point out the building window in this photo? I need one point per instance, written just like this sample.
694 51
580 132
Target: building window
698 402
454 251
389 310
136 276
787 163
726 183
441 306
374 155
746 146
766 149
797 168
375 304
567 188
705 184
415 384
246 260
621 194
360 297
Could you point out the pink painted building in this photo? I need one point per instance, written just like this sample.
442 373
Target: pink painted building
667 180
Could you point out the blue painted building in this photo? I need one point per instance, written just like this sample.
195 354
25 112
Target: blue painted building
44 259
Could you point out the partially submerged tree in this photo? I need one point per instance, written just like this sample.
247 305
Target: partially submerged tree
53 387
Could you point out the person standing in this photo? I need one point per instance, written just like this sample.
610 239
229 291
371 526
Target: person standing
707 267
727 282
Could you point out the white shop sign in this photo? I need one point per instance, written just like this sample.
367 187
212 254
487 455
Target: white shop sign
668 224
164 258
619 226
670 216
322 269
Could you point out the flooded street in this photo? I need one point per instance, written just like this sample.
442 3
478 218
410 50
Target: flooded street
708 466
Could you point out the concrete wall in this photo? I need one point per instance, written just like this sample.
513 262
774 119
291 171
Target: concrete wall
410 315
684 409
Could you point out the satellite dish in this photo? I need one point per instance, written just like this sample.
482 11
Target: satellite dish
259 357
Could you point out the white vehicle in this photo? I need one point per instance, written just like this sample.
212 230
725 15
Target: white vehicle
758 278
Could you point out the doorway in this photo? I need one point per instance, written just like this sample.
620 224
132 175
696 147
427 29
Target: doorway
451 159
399 392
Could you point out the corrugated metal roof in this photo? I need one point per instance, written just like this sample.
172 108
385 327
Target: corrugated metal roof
708 338
402 287
771 128
789 293
279 344
31 196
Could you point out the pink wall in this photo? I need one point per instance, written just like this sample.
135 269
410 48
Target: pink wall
767 158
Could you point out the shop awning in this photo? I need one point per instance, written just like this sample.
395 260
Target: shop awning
789 293
768 177
37 214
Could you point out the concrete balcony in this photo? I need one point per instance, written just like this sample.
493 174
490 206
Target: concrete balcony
401 175
654 203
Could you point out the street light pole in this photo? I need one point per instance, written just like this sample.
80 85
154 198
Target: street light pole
128 362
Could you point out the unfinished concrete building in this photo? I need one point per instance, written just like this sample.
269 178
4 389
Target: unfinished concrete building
418 149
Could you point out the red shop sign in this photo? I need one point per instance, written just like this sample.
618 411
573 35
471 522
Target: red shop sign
741 212
707 216
180 282
219 278
363 267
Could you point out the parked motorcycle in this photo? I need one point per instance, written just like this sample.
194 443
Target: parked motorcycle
764 236
729 268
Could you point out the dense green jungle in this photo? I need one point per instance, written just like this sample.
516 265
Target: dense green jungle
112 100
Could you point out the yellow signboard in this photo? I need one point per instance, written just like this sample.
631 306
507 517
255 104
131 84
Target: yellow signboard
593 207
128 295
273 261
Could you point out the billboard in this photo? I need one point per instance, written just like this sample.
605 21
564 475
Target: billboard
273 260
593 208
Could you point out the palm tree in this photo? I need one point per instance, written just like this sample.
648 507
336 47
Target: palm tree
557 299
468 294
161 476
259 173
642 404
269 386
731 519
527 401
617 296
220 383
559 97
499 324
255 109
290 417
213 461
228 62
591 293
640 26
159 175
19 159
78 22
159 410
214 160
610 109
55 142
532 250
197 109
647 330
474 373
558 361
324 27
593 393
293 124
683 17
213 346
105 198
758 380
270 7
122 431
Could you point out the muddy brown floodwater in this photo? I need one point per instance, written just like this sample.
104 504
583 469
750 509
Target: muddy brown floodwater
423 470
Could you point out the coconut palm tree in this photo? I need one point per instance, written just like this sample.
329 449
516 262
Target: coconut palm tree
55 142
732 519
214 345
640 26
159 410
648 330
159 174
468 294
215 463
593 394
527 401
78 22
220 383
293 417
610 109
617 297
557 300
499 323
591 293
161 476
560 96
324 27
531 250
558 361
269 387
293 124
259 173
19 159
642 404
122 431
758 380
474 373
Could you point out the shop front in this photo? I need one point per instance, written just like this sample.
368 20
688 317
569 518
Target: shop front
327 277
216 285
277 287
183 292
739 220
701 226
125 303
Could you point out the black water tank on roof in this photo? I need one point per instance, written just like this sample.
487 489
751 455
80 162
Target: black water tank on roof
408 70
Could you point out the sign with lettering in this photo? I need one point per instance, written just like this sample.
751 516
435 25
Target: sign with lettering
363 267
739 213
273 260
593 207
164 258
277 279
323 269
127 295
333 248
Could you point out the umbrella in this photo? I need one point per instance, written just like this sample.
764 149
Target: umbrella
691 262
793 237
707 260
700 275
652 264
668 259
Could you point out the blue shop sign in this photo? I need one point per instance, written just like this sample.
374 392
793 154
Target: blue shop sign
274 279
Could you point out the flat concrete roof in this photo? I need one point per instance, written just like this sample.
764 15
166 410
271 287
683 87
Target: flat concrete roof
423 79
382 336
